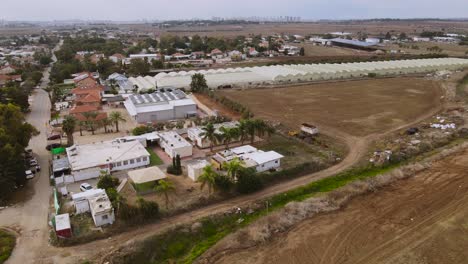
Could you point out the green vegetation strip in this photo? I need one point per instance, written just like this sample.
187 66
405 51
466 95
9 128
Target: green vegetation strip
7 243
155 160
184 244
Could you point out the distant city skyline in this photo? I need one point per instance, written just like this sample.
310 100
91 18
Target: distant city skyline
126 10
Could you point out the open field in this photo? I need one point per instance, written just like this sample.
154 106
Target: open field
358 108
419 220
447 48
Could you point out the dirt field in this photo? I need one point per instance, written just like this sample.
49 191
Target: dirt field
358 108
447 48
419 220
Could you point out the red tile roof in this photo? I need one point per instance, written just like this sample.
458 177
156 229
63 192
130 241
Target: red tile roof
93 96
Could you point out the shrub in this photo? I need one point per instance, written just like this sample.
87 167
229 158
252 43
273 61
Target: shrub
106 181
148 209
248 181
372 74
140 130
223 183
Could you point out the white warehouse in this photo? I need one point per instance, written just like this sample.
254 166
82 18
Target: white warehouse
162 105
256 76
173 144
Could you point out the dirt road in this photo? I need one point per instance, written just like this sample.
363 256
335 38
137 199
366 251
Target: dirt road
419 220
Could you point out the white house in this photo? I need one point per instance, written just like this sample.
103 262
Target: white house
80 200
101 210
251 158
162 105
196 133
149 57
173 144
87 161
195 168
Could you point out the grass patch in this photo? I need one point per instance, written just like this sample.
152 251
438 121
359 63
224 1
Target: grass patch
7 244
155 160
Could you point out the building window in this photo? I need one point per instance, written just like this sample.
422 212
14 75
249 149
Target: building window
105 217
145 158
119 164
276 161
125 162
138 159
132 161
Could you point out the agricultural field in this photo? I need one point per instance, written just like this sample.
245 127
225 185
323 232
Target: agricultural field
419 220
422 48
358 108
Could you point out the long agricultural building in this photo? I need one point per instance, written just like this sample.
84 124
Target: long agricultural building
256 76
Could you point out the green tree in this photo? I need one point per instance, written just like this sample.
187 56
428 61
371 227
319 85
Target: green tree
90 120
209 133
243 132
198 83
148 209
302 51
116 117
165 187
233 168
139 67
15 134
106 181
69 126
208 178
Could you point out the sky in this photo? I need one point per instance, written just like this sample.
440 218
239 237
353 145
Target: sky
130 10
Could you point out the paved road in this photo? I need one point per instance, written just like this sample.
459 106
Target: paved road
29 216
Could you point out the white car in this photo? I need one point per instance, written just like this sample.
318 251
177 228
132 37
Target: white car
85 187
29 174
33 162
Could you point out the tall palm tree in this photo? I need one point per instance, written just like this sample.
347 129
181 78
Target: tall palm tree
106 122
243 133
68 126
251 128
233 167
207 178
227 136
165 187
115 118
91 120
209 133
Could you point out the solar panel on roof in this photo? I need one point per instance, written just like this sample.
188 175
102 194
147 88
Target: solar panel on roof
148 98
171 97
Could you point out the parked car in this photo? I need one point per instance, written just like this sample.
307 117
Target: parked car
53 137
36 168
33 162
85 187
53 145
29 174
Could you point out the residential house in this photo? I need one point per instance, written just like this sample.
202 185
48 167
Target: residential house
4 79
195 134
88 160
195 168
250 158
117 57
216 54
81 199
101 210
173 144
253 52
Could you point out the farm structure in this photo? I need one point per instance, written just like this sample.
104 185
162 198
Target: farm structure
283 74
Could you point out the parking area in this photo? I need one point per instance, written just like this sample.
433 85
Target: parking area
75 187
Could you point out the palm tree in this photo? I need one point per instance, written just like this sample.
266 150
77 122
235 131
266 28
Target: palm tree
208 177
243 133
233 167
209 133
105 123
251 128
116 117
90 120
165 187
227 136
68 126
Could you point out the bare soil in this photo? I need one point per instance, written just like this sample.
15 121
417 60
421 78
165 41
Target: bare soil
419 220
358 108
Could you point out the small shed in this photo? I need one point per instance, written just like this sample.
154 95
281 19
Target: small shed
309 129
195 169
145 179
63 226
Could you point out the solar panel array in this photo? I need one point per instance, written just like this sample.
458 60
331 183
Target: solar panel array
158 96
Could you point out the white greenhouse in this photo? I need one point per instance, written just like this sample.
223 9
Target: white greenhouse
256 76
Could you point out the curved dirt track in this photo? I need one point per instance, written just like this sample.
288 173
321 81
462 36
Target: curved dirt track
96 250
419 220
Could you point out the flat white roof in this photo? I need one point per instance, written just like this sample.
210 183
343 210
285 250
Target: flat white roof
146 175
174 139
104 153
62 222
100 203
87 194
198 164
243 149
261 157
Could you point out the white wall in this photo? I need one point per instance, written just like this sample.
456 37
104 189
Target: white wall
82 206
274 164
127 165
101 219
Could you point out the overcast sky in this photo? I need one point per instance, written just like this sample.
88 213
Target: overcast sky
123 10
